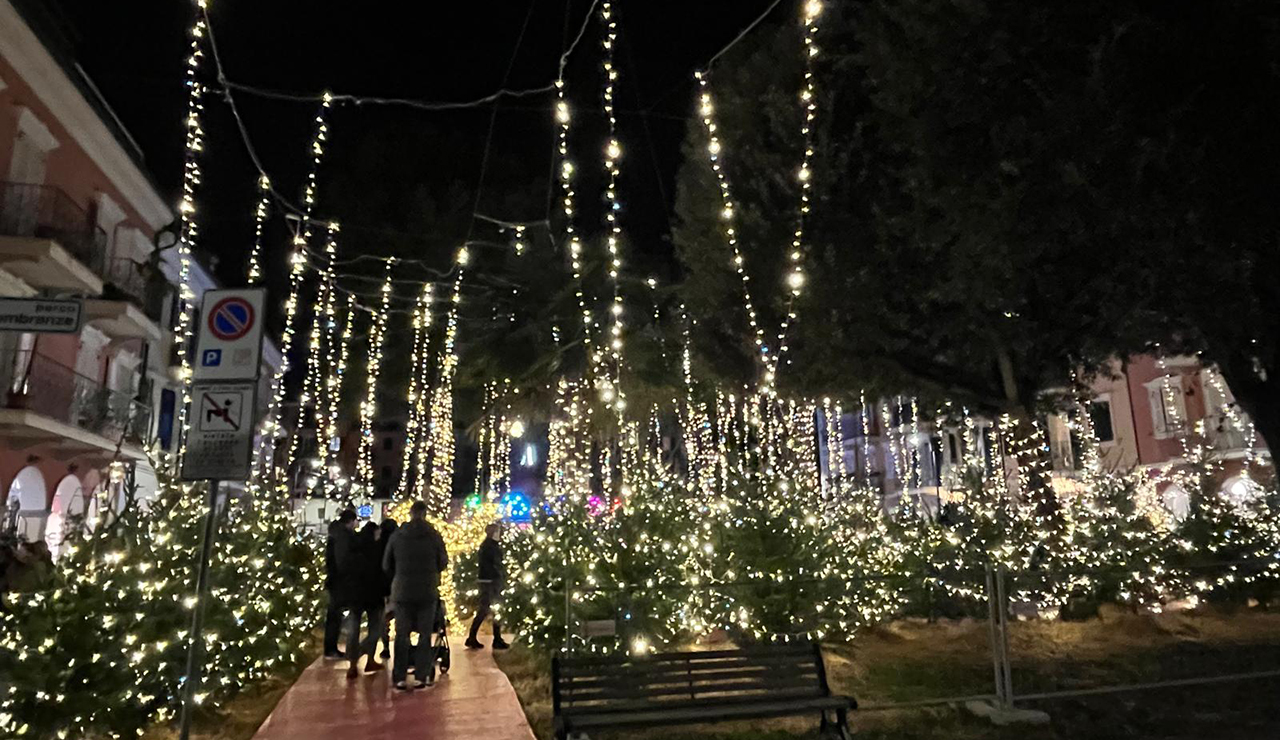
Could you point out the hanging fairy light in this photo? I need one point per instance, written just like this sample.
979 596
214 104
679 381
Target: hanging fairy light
188 231
297 270
260 215
418 389
313 403
369 407
729 210
796 278
441 410
567 197
335 384
518 243
611 382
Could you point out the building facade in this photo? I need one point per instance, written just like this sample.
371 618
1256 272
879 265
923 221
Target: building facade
1149 413
84 415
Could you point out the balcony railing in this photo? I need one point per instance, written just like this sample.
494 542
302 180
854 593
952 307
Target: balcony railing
46 212
123 273
40 384
1223 434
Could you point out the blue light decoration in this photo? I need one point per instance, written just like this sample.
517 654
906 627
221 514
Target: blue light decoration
472 501
516 507
365 511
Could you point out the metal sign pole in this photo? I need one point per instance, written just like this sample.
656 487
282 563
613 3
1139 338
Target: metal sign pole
195 648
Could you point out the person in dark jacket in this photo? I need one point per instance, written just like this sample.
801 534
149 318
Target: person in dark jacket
415 557
362 585
386 529
492 576
336 547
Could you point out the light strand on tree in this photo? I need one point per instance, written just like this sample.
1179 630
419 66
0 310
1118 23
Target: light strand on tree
329 316
369 407
312 402
804 175
419 390
563 118
337 383
260 215
728 213
611 381
866 438
188 231
297 273
441 411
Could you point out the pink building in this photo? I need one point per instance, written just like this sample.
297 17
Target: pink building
81 414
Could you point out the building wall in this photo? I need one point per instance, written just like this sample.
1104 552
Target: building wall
89 164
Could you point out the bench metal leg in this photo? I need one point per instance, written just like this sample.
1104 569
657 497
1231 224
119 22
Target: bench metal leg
842 726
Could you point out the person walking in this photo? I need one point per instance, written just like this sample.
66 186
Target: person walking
492 575
336 548
385 530
362 576
415 557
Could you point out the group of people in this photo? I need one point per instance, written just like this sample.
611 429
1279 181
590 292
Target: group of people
388 572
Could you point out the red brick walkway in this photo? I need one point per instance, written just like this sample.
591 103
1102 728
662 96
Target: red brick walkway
474 700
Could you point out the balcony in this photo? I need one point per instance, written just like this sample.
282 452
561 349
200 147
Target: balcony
47 403
1224 436
48 240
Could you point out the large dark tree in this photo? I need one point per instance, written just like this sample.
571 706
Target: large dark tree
1008 192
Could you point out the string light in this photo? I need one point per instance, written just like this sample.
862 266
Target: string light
611 381
567 170
369 407
728 213
441 410
804 176
418 389
297 271
188 230
518 243
260 215
336 382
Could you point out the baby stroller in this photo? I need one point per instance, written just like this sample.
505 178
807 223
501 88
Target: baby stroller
441 638
439 643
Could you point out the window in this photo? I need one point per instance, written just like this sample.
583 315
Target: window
529 458
1168 406
387 472
1100 417
388 443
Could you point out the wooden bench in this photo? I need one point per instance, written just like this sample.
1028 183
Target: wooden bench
607 693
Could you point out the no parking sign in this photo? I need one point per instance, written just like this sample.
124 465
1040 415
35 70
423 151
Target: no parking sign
230 344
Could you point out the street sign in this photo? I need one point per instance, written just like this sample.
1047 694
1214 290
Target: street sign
42 315
220 443
230 344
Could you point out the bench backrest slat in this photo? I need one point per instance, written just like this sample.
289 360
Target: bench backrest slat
596 685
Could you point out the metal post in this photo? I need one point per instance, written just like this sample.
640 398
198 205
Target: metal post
568 588
996 661
195 648
1004 635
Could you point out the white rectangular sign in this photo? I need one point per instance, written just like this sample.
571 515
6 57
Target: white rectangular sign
220 443
230 330
46 316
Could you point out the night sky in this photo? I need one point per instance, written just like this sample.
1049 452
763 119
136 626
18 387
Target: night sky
380 156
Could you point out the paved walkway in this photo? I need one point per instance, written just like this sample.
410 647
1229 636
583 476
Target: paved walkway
474 700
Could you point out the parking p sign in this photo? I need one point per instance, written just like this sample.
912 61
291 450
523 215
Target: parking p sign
230 344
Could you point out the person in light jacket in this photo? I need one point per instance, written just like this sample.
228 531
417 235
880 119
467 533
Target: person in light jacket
492 575
415 557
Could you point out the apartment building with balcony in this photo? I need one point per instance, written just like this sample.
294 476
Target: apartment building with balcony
83 415
1146 414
